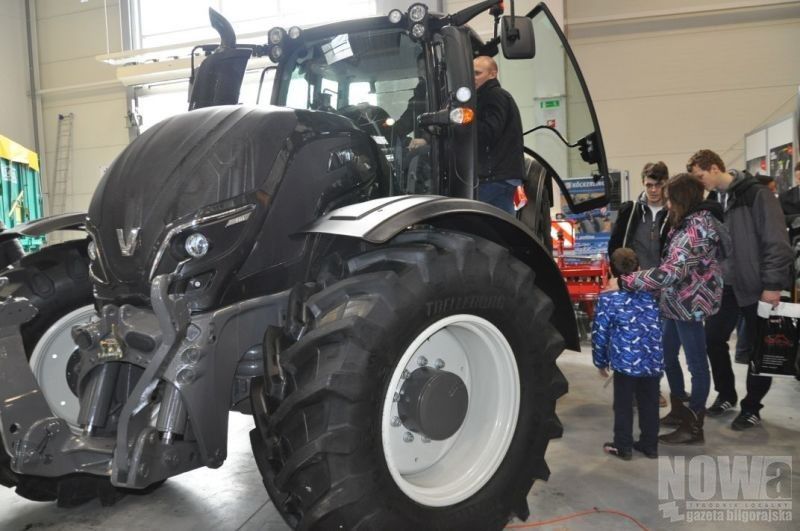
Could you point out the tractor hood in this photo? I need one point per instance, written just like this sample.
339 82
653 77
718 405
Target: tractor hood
214 174
186 163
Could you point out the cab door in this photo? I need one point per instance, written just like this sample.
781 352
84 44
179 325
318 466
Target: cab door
558 117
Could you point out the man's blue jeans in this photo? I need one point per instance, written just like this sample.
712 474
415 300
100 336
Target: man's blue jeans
690 334
499 193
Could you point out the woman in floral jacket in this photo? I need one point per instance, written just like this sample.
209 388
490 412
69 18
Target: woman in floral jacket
690 280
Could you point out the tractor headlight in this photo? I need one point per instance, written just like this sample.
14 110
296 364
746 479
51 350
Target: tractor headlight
196 245
417 12
395 16
463 94
276 35
294 32
91 250
417 31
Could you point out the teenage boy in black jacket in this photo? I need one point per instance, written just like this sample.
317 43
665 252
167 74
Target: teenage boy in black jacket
757 268
642 225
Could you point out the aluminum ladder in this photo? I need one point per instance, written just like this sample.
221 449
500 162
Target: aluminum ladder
58 194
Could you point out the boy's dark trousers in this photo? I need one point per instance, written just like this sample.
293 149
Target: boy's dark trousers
645 388
718 331
719 328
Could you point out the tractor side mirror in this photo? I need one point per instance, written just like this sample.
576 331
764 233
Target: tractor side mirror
516 38
587 146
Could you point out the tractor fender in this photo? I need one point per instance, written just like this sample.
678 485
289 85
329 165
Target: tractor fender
380 220
42 226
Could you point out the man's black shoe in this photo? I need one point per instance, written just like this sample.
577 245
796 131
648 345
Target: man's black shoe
719 407
742 357
649 453
745 421
611 449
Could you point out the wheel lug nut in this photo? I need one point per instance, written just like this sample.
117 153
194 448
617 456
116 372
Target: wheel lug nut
422 361
395 421
405 374
439 363
425 440
396 397
408 437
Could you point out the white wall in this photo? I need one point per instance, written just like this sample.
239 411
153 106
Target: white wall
16 116
669 77
70 34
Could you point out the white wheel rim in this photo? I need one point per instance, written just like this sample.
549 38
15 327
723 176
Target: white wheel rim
49 364
443 473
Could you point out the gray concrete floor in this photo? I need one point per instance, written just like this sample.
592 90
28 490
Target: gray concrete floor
233 498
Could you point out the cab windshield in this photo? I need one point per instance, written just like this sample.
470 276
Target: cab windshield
376 79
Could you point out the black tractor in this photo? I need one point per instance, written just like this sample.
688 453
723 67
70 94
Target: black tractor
321 264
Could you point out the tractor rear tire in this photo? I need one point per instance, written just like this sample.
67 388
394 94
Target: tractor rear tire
334 454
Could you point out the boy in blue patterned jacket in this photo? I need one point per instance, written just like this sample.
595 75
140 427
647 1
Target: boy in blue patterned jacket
626 336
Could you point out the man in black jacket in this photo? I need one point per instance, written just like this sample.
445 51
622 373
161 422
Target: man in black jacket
417 104
10 251
642 225
757 269
790 199
501 164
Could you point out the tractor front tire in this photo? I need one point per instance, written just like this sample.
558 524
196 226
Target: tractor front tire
422 394
56 281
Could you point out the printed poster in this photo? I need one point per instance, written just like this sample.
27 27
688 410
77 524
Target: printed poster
593 228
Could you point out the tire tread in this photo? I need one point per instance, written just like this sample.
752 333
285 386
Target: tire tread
390 277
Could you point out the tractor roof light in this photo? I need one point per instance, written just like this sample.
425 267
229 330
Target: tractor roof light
395 16
417 12
275 53
463 94
276 35
462 116
295 32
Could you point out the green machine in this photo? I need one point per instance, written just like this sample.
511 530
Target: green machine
20 189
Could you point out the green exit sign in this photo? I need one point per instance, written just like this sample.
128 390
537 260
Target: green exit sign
550 104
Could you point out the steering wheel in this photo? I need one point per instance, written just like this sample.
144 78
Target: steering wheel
369 118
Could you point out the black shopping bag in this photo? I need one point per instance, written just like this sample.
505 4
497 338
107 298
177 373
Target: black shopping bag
775 353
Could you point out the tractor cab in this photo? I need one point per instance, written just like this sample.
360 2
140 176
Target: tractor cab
406 80
379 79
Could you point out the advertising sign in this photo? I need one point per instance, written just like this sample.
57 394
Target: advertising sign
593 228
780 166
